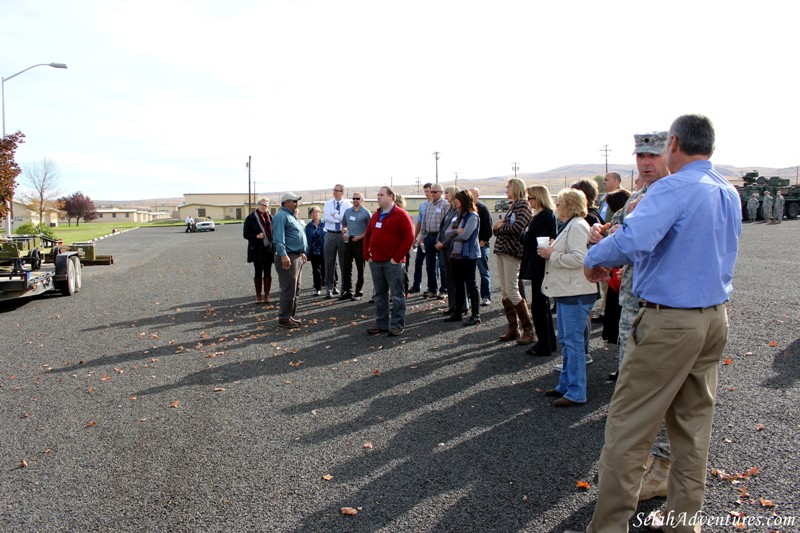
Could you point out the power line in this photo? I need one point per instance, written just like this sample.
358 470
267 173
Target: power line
604 150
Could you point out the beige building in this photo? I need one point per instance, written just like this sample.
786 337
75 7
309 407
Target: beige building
128 214
23 215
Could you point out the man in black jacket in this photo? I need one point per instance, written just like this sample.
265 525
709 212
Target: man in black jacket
484 234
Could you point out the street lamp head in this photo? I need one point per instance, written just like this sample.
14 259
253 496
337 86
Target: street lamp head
58 65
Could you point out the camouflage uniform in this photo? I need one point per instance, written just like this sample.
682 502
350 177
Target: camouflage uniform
752 207
777 211
766 207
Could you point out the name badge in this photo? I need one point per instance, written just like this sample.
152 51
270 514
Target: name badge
352 217
454 218
438 209
378 224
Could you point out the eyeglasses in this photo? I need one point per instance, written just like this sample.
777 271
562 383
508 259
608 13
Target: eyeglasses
356 199
436 192
338 190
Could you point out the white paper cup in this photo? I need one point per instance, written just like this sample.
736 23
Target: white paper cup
542 242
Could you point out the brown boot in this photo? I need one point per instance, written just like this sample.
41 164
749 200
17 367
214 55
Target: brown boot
257 283
511 316
525 322
267 287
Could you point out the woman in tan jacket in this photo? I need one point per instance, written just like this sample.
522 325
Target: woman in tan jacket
574 295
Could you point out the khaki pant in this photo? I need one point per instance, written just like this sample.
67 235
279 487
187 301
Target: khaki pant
669 372
508 270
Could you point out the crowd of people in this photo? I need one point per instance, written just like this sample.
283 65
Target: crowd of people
632 259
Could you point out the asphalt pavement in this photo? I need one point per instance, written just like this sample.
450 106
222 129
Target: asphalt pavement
161 398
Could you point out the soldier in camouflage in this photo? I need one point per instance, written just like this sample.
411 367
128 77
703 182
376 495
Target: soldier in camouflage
766 207
652 166
752 207
777 211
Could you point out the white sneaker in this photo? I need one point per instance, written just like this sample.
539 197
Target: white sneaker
559 367
486 301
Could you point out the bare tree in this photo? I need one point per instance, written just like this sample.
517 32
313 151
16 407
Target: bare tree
43 178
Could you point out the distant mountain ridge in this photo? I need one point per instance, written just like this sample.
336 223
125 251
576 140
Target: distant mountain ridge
554 180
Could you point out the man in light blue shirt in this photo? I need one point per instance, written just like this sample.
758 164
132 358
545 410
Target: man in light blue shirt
289 238
683 240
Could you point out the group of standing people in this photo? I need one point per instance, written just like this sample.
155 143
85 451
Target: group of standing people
771 208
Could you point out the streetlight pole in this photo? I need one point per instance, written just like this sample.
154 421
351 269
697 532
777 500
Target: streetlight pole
54 65
436 155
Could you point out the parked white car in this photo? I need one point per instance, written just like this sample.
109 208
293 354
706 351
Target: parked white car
203 224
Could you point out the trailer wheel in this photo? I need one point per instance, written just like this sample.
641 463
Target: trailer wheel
35 259
76 265
67 287
792 210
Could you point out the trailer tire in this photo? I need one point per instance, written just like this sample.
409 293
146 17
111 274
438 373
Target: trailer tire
76 264
67 287
35 259
792 210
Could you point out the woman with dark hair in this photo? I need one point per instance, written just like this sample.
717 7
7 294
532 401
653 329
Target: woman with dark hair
443 242
315 250
615 201
260 251
543 224
465 251
589 189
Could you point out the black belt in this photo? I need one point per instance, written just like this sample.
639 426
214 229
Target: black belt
651 305
333 231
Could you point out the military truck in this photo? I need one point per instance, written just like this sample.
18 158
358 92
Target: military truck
502 205
753 183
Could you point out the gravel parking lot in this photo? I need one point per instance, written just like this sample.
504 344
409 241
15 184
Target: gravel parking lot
161 398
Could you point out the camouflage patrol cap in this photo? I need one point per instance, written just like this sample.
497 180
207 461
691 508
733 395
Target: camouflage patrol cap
650 143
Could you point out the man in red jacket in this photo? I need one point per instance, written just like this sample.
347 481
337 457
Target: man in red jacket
387 240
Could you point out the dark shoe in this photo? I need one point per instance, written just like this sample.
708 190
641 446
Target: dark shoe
317 293
428 294
376 331
413 290
346 295
538 349
372 300
447 311
441 296
335 291
473 320
598 319
287 323
455 317
296 320
613 376
563 402
553 393
395 332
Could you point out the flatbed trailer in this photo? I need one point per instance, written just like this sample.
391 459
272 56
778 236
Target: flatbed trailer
32 264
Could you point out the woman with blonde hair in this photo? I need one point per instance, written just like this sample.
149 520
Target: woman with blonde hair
574 294
543 224
508 251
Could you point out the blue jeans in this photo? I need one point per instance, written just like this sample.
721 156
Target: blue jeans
483 268
387 278
432 263
572 319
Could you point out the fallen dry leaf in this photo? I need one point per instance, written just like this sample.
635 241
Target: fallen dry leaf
154 336
582 485
773 343
175 404
91 424
105 377
23 463
728 361
766 503
368 445
219 389
760 427
327 477
133 398
348 511
376 372
296 363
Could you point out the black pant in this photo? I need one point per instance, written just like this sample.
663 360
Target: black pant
353 251
463 275
317 270
263 268
542 317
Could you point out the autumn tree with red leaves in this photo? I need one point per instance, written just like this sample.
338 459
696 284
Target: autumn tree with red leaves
9 169
78 206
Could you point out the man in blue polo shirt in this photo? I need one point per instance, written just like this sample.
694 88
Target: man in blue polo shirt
683 240
289 238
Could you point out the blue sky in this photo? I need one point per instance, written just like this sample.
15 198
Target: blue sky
169 97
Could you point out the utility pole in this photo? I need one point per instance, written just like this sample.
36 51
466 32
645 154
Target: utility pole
249 193
456 173
515 167
418 182
604 150
436 154
631 180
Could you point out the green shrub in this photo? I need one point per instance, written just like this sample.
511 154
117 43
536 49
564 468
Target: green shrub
31 229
